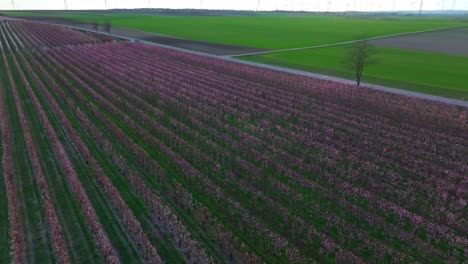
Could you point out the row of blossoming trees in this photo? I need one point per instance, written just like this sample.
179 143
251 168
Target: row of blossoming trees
133 153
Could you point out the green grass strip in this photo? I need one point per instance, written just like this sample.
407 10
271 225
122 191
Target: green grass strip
81 245
38 246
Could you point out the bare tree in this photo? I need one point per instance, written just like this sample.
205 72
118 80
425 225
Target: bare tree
358 57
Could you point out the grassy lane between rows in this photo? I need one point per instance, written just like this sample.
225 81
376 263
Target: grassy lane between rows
38 246
201 169
80 242
112 226
4 236
164 192
159 238
221 209
418 71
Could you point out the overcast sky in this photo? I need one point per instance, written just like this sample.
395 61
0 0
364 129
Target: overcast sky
309 5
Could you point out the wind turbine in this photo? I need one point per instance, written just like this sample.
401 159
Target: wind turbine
421 7
453 5
66 5
13 4
105 3
443 4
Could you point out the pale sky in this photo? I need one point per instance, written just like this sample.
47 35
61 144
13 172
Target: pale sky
296 5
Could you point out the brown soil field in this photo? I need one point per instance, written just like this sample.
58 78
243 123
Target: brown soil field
451 41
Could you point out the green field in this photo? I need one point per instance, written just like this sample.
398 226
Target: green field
432 73
269 32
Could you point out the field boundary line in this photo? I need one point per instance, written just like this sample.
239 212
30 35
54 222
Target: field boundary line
387 89
342 43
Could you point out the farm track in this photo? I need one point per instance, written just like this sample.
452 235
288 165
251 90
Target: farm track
199 160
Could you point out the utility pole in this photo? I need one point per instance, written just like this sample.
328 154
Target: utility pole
421 7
